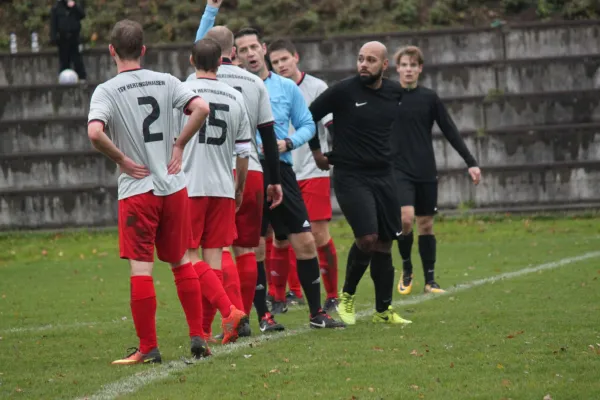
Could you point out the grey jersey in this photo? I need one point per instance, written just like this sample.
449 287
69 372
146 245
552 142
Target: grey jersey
207 158
137 107
304 163
258 103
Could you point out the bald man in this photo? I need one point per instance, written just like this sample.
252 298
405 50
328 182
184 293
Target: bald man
364 108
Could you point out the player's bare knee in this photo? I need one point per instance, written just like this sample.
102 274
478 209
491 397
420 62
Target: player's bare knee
260 250
280 243
304 245
240 251
140 268
320 231
425 225
408 217
367 243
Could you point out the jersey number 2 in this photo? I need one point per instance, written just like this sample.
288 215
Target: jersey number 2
216 122
150 137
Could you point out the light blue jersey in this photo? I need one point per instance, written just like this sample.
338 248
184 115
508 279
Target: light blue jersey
287 102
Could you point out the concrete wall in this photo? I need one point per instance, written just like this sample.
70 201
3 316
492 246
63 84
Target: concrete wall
531 118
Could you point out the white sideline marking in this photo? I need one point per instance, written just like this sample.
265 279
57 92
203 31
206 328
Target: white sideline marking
142 378
49 327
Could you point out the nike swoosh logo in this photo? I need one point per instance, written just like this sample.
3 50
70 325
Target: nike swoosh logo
360 104
321 325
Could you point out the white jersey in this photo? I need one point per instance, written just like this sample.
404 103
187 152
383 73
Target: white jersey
256 96
207 161
137 107
304 163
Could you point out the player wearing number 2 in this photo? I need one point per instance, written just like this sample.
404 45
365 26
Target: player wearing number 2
136 106
214 194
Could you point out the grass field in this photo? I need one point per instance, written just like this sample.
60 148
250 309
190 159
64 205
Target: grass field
534 334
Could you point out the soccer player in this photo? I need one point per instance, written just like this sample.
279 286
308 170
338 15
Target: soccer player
248 219
214 194
136 106
290 220
363 110
415 168
314 183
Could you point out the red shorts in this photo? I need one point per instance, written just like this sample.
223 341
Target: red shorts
212 222
146 220
248 219
316 193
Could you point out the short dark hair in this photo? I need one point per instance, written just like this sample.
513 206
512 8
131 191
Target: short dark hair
247 32
206 54
127 37
283 44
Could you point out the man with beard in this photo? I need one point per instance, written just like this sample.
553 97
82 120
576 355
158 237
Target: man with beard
364 108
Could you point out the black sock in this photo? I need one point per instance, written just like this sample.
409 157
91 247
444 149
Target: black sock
405 243
310 279
382 273
358 262
260 295
427 252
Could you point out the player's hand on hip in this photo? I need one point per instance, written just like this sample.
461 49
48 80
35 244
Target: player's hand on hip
475 173
274 195
174 166
215 3
282 146
129 167
322 162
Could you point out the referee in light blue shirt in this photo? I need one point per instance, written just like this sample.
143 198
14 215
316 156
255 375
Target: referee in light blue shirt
290 219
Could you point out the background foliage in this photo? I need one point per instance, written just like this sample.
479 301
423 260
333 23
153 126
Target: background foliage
177 20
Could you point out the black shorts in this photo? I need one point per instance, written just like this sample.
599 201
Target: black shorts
369 203
421 195
290 216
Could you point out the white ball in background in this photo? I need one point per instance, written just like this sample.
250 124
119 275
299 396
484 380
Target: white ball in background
68 77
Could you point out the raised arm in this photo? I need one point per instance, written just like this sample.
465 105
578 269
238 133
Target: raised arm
208 18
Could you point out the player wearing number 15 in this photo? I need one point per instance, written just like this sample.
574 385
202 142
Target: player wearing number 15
136 106
214 193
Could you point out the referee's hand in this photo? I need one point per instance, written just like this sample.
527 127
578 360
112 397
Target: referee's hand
475 173
274 195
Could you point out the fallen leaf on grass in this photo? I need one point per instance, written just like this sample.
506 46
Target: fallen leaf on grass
414 387
547 397
247 355
506 383
513 335
265 385
377 348
371 390
286 360
274 371
451 365
348 379
416 353
44 252
500 366
182 379
233 365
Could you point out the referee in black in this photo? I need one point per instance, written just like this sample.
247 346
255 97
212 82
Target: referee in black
415 168
363 109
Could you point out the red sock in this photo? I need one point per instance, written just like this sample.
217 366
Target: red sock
280 267
143 310
268 255
293 280
190 296
248 273
212 287
329 269
231 280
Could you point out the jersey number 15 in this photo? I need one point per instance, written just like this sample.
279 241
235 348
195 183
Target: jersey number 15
217 123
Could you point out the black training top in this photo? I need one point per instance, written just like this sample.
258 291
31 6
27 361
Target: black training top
363 120
412 142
